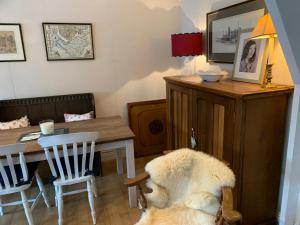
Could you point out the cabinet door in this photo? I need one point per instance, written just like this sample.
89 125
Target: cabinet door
178 116
213 122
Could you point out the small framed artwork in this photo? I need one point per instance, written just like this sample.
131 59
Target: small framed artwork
68 41
11 43
250 59
223 27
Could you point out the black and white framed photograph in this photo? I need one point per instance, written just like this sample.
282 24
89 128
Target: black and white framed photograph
11 43
68 41
224 25
250 58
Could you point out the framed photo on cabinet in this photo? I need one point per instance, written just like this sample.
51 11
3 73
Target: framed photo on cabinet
11 43
68 41
224 25
250 58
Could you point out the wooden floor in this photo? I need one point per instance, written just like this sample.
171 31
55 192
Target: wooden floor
111 205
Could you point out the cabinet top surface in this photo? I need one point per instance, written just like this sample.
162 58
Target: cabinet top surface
227 87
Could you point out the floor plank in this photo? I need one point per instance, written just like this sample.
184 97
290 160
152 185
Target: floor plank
111 205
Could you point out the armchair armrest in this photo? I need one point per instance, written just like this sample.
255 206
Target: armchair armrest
129 182
228 213
136 181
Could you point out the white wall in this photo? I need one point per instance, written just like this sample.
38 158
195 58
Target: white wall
285 15
194 18
132 50
289 11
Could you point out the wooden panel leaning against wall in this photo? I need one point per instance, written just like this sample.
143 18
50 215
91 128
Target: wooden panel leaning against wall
147 119
240 123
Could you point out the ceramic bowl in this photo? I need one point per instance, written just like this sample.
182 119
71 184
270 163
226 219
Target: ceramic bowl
211 76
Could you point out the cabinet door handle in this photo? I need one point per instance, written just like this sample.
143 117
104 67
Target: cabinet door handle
193 140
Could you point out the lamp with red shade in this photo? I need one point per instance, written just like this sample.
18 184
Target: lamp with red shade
188 44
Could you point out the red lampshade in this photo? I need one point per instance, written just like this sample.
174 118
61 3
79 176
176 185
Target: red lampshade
186 44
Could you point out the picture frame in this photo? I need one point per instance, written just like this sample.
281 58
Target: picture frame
68 41
250 59
223 26
11 43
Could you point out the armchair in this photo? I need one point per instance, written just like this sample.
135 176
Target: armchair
202 197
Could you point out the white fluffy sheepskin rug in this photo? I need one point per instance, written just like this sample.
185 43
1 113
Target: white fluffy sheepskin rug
186 188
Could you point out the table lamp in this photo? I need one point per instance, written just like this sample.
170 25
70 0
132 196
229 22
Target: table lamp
187 44
265 29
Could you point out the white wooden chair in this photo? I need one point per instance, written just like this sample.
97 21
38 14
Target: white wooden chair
60 148
12 183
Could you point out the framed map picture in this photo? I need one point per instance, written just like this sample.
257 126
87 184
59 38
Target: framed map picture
68 41
11 43
224 25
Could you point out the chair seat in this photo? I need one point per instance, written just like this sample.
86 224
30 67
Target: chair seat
60 182
15 189
176 215
31 167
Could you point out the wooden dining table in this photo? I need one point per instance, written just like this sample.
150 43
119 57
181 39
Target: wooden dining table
114 134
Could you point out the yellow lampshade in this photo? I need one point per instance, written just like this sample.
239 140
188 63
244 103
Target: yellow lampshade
264 28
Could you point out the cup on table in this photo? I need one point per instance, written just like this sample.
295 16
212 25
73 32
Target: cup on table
47 127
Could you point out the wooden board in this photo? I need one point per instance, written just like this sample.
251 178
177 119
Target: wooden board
229 88
148 121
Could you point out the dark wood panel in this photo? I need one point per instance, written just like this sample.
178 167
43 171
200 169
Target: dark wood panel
204 107
178 117
262 154
147 119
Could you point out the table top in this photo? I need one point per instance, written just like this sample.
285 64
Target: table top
111 129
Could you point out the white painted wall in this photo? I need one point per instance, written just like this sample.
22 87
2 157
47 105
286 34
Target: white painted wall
289 12
285 15
132 49
194 18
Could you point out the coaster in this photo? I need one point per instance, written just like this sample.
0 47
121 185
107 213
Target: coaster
36 135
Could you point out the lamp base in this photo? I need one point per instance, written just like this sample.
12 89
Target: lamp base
268 77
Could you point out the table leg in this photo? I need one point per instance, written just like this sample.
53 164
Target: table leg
119 159
131 172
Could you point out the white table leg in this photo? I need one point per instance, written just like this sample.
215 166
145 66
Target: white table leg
131 172
119 159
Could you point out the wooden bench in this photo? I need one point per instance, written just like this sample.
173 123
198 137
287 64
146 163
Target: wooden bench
50 107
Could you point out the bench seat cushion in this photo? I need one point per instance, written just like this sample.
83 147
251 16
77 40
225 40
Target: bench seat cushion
18 123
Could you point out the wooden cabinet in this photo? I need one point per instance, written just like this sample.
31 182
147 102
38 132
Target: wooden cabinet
147 119
240 123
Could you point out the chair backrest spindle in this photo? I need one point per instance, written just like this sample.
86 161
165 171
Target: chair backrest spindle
75 157
12 169
50 162
67 162
84 151
4 176
92 156
8 158
23 166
